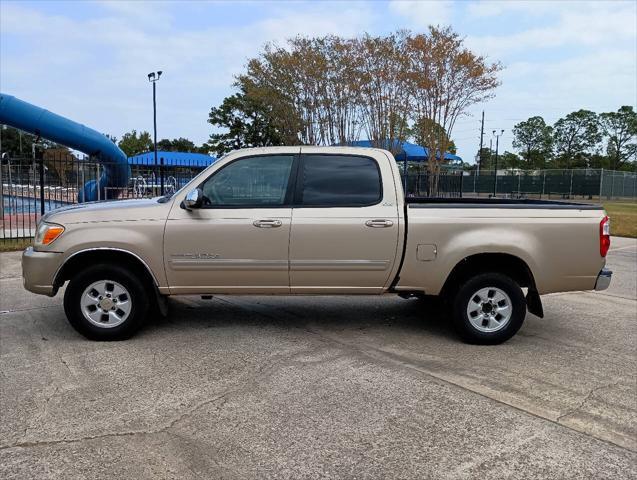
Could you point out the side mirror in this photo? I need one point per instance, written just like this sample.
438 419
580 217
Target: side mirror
194 199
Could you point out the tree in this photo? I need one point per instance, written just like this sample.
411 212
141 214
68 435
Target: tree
133 144
621 130
424 128
60 161
17 143
178 145
574 135
484 158
533 138
509 160
248 122
381 88
445 79
331 90
309 88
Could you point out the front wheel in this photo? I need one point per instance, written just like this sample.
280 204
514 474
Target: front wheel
106 303
488 309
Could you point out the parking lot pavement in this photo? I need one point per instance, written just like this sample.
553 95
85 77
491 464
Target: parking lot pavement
365 387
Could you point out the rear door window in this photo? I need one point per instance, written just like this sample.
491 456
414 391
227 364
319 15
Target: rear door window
338 181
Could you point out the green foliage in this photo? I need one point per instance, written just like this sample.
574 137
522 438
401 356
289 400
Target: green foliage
133 143
17 143
506 160
581 139
425 128
621 129
509 160
534 139
180 145
574 136
248 122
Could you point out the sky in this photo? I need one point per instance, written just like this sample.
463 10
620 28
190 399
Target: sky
89 61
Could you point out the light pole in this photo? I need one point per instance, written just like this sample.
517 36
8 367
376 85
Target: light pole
152 78
495 171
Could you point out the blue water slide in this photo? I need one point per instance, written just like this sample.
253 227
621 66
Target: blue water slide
38 121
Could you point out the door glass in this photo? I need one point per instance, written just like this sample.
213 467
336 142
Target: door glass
251 181
335 180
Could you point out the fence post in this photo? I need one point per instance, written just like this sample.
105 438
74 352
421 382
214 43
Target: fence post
570 189
83 180
2 190
97 182
161 175
41 167
601 184
406 169
624 186
543 182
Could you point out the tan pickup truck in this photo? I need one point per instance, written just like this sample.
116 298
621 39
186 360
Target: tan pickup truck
315 221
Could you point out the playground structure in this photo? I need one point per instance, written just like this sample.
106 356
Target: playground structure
42 123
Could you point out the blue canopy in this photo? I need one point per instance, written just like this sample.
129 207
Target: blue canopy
173 159
408 151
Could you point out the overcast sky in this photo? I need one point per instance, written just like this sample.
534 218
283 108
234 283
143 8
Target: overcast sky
89 61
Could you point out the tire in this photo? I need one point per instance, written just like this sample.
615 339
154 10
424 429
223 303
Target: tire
106 302
488 309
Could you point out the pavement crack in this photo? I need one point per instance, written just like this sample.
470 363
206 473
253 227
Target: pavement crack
246 385
42 412
63 362
585 400
380 355
18 310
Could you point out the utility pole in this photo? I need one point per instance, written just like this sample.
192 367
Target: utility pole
481 137
495 171
152 78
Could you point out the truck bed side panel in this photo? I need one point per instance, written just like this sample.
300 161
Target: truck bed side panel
561 247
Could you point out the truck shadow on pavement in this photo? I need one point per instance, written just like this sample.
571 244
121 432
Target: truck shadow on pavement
335 314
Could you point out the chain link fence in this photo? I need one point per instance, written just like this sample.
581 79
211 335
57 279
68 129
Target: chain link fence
584 184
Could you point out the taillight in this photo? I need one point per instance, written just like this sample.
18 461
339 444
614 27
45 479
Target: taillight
604 236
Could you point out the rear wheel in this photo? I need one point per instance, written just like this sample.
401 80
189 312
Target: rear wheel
488 309
106 303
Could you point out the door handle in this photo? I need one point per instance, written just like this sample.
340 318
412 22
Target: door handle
379 223
267 223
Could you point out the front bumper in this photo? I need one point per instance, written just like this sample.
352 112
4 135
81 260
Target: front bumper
38 271
603 279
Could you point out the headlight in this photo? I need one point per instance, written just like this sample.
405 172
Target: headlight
47 233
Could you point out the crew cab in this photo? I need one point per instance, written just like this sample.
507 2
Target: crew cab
315 221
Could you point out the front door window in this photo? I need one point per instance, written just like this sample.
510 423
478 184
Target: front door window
249 182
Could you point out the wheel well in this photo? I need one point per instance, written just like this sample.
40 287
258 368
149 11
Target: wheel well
503 263
93 257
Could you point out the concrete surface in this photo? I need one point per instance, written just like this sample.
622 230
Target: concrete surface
321 387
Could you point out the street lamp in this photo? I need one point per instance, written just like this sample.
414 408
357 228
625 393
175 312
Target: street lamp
495 171
152 78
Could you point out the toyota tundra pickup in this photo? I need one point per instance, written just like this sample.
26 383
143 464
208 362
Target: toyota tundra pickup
315 221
